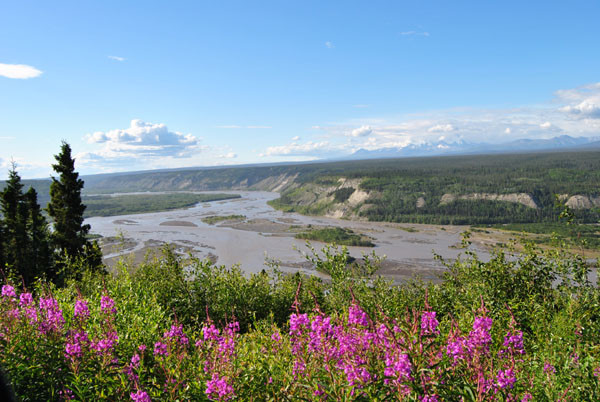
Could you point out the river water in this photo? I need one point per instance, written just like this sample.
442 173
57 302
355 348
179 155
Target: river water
409 249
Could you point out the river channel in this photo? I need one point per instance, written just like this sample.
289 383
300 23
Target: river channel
269 234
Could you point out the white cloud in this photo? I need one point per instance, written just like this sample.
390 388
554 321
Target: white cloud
19 71
116 58
329 45
546 124
309 148
414 33
362 131
229 155
508 130
296 138
582 102
143 139
441 128
236 126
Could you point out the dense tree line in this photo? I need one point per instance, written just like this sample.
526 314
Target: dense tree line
29 249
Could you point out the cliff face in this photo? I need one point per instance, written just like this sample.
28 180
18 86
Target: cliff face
583 201
519 198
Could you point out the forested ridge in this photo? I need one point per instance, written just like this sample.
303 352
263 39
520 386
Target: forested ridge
399 190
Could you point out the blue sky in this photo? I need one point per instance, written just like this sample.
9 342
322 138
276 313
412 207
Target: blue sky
143 85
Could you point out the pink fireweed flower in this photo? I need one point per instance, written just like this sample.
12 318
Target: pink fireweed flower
506 378
275 337
176 333
107 305
219 389
52 318
31 314
140 396
398 367
8 291
428 398
549 368
298 322
527 397
25 299
429 324
72 350
514 342
81 309
105 346
480 338
210 333
142 348
135 360
455 348
356 316
160 349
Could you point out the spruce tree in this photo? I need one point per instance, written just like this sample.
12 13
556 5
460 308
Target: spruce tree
14 237
65 206
69 238
39 254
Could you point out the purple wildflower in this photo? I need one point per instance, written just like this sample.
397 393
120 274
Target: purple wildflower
506 378
549 368
81 309
356 316
160 349
297 323
107 305
140 396
8 291
429 324
219 388
514 342
25 299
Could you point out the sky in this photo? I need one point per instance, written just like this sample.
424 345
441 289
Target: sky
136 85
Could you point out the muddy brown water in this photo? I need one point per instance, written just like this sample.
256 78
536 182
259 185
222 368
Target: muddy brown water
268 233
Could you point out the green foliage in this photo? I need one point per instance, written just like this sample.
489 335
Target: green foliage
214 219
545 294
144 203
341 236
342 194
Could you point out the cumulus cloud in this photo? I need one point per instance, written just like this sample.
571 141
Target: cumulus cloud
362 131
295 138
19 71
143 139
116 58
582 102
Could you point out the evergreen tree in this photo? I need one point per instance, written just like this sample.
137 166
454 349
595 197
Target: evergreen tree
69 238
40 256
65 206
14 236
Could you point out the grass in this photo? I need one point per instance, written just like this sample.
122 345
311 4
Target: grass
214 219
340 236
144 203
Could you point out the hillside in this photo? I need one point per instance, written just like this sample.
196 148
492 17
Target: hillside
477 189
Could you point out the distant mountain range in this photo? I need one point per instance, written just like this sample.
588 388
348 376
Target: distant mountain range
563 142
